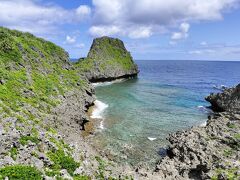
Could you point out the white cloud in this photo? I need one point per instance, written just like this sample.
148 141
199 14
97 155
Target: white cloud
70 40
83 11
129 15
132 32
104 30
80 45
184 28
202 51
141 32
31 16
203 43
195 52
216 50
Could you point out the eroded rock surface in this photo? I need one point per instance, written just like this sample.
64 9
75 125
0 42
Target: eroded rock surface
228 100
207 152
108 59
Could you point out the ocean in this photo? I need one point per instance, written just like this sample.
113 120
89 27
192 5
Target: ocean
134 117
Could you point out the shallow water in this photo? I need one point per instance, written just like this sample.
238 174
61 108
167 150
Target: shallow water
167 96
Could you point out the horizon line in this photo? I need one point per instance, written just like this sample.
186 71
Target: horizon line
177 60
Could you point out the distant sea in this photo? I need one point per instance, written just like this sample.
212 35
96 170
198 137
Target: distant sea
136 116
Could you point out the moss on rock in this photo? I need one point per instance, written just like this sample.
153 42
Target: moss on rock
107 59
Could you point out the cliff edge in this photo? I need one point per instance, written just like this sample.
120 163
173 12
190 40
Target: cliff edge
228 100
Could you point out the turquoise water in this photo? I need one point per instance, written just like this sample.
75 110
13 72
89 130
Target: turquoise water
166 97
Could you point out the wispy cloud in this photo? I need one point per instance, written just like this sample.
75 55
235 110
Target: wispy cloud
216 50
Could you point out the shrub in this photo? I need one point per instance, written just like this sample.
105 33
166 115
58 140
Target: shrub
24 140
13 153
62 161
20 172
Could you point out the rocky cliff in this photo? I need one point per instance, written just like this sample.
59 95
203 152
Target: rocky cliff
229 100
210 152
43 104
107 60
43 101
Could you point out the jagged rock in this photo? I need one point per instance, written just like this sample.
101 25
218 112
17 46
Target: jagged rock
37 163
107 60
65 175
228 100
197 153
6 161
79 171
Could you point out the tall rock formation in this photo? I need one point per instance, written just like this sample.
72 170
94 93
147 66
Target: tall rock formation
107 60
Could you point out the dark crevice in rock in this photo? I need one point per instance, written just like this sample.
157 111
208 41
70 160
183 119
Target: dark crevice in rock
95 80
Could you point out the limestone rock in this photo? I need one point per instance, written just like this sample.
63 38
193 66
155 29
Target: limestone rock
228 100
108 59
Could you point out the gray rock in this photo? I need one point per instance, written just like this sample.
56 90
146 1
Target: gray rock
65 175
199 151
228 100
37 163
79 171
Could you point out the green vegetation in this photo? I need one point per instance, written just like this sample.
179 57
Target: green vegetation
101 168
231 174
106 53
231 125
31 72
24 140
79 177
63 161
227 152
20 172
13 153
35 75
237 136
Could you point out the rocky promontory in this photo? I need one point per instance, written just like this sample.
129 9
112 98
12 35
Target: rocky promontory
210 152
107 60
229 100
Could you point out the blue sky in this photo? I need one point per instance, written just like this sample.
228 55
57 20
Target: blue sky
151 29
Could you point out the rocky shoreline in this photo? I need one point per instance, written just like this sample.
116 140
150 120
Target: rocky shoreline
44 99
203 152
210 152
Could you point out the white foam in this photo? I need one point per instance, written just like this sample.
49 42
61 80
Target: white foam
108 83
101 125
151 138
204 109
203 124
98 110
221 87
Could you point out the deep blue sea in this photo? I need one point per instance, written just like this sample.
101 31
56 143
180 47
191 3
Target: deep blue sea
136 116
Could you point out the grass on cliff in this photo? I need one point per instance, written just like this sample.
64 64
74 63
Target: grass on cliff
106 52
24 140
63 161
230 174
20 172
34 72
